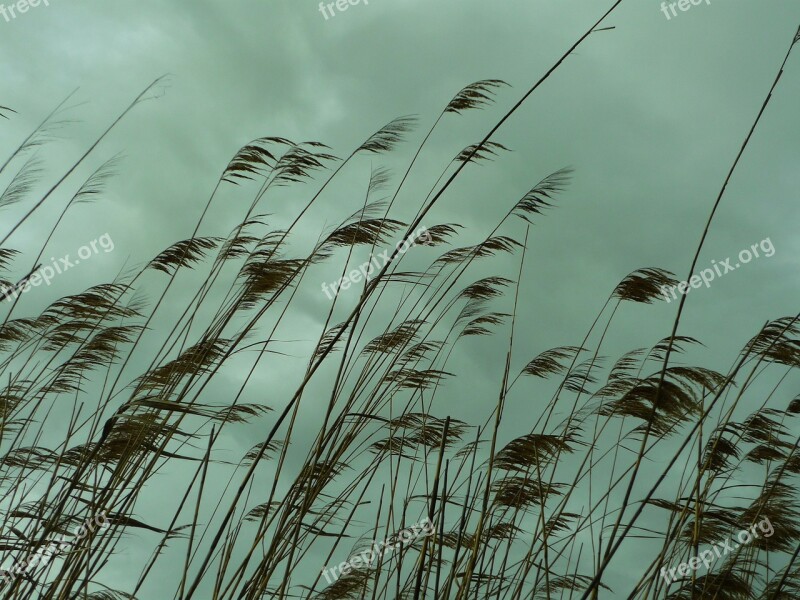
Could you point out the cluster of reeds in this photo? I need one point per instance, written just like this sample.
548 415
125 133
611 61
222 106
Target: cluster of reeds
694 453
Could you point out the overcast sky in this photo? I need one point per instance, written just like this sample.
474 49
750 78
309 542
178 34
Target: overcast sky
650 115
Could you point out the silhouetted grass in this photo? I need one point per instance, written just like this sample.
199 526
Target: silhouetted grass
540 515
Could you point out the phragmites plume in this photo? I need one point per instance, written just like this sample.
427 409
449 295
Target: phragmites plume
416 379
475 96
397 338
199 358
420 351
427 430
534 450
540 197
263 279
779 342
551 362
240 413
489 247
477 294
298 164
349 586
183 254
367 232
252 160
379 179
644 285
556 586
720 451
6 256
659 350
22 182
96 182
327 340
480 325
438 234
625 365
582 375
665 405
523 493
486 288
388 136
476 152
100 302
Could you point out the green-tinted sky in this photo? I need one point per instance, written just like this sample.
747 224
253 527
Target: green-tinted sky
650 115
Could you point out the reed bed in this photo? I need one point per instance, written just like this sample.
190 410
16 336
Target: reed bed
643 455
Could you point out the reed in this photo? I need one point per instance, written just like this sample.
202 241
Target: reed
543 515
